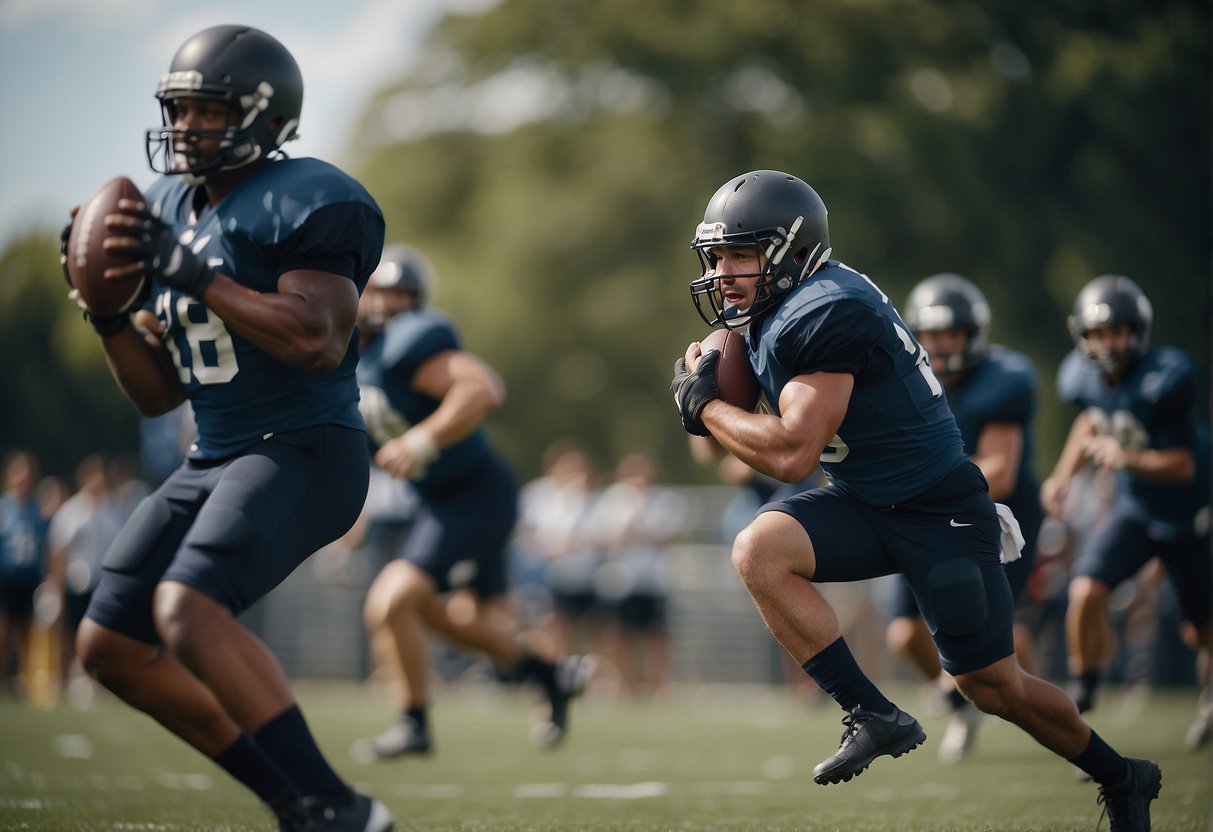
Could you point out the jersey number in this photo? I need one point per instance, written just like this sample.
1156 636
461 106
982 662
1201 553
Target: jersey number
212 353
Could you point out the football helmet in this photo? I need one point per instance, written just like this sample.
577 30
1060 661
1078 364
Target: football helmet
949 301
778 214
1108 300
250 72
405 269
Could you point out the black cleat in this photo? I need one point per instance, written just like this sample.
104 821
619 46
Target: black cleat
1128 806
1083 694
573 674
404 737
364 814
868 736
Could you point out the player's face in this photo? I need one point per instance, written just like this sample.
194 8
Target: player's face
942 344
738 269
1110 341
201 122
378 306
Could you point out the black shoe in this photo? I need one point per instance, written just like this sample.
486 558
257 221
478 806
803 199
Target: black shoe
1128 806
573 674
363 814
404 737
867 736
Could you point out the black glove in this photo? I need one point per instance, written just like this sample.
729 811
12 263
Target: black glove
105 327
162 257
692 391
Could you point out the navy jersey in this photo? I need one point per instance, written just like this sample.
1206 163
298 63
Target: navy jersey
898 437
1152 407
22 542
389 362
1002 388
291 214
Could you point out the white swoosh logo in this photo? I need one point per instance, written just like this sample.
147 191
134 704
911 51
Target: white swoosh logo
956 525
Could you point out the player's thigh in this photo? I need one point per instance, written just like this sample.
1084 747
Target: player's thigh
1189 566
270 509
1115 553
844 544
459 539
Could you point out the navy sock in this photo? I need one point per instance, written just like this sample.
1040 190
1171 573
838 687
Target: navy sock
419 716
287 741
541 671
1105 766
246 762
835 671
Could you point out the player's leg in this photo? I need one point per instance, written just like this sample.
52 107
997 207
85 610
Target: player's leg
778 558
1189 567
264 514
1116 552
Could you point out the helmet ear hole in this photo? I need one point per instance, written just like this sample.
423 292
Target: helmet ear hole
800 256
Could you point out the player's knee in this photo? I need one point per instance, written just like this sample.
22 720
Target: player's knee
956 593
1087 591
184 618
899 635
102 653
747 557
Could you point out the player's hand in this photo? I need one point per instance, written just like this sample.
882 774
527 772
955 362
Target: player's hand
137 231
1053 493
1106 452
693 390
408 456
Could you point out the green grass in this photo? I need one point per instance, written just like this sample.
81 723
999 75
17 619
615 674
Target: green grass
703 760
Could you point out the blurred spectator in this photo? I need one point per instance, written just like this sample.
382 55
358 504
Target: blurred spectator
80 533
22 563
634 521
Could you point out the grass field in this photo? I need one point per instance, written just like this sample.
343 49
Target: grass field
703 760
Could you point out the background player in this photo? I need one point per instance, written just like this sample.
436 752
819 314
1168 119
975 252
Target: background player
850 387
425 400
1138 418
254 264
991 390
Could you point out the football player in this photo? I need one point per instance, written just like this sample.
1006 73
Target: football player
1137 418
849 386
425 400
254 264
991 391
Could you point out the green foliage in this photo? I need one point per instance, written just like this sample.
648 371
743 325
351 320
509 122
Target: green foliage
554 159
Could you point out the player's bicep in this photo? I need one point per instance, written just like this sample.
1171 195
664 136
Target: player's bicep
332 299
813 406
435 376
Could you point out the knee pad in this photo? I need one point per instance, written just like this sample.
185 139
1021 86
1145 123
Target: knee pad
956 593
136 541
220 528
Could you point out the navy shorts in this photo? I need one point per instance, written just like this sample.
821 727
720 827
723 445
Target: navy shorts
459 537
234 529
1122 546
945 541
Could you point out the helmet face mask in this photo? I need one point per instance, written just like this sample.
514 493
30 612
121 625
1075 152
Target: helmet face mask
253 76
774 213
945 302
1105 302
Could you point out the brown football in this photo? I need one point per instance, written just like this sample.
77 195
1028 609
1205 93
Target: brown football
734 375
87 258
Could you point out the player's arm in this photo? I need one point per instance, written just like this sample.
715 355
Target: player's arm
467 389
307 323
143 368
787 447
1073 455
999 450
1165 466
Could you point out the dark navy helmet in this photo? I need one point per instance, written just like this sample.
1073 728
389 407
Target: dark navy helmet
1108 300
774 212
405 269
949 301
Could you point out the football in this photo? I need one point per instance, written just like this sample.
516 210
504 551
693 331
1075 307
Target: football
734 375
87 258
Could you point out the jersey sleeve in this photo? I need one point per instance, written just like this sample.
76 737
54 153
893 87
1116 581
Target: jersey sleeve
340 238
420 336
835 337
1013 396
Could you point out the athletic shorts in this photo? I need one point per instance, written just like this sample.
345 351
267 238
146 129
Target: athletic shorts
459 537
1123 545
945 541
234 529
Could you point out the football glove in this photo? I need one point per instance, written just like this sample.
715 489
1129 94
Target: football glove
162 257
692 391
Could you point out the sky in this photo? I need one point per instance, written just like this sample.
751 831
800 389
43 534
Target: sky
78 79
